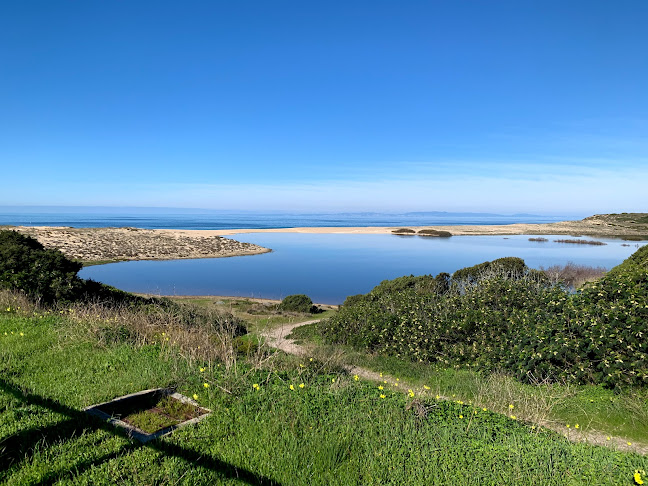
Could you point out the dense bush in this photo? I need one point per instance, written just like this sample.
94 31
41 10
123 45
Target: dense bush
44 274
297 303
503 316
510 267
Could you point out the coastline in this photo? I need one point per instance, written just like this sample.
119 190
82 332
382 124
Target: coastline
104 245
593 226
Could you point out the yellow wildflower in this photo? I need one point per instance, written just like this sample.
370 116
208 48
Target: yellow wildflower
382 396
206 385
301 385
195 396
511 407
256 386
513 417
637 478
356 377
460 416
426 387
292 387
410 393
576 426
380 387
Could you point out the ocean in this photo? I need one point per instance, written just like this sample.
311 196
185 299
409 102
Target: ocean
215 220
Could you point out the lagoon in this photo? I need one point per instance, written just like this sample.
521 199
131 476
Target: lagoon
330 267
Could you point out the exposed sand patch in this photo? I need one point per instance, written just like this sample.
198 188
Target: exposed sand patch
600 225
115 244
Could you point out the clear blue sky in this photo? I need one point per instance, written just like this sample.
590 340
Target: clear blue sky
506 106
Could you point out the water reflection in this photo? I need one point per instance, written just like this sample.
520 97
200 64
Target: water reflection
329 267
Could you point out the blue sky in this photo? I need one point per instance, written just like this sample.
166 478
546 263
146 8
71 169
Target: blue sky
504 106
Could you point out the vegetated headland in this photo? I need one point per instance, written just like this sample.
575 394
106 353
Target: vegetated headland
104 245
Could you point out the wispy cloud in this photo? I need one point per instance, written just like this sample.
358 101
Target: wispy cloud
571 187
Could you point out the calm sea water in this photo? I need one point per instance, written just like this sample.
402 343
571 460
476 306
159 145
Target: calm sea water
329 268
176 219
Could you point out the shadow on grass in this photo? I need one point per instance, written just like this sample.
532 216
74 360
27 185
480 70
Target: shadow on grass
18 447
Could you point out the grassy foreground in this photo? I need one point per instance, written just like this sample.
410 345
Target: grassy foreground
276 420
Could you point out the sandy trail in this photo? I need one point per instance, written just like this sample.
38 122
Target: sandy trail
277 338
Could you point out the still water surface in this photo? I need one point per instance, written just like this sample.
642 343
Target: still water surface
331 267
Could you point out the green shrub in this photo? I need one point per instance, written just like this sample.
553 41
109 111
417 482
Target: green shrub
43 274
510 267
503 316
297 303
47 276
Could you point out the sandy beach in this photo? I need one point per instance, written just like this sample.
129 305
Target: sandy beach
613 226
94 245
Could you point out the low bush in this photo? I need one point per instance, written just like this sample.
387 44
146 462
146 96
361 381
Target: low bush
404 231
43 274
438 233
502 315
297 303
508 267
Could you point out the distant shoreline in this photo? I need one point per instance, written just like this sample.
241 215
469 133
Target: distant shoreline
103 245
587 227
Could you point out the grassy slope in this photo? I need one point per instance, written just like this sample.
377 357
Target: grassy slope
622 413
328 432
258 315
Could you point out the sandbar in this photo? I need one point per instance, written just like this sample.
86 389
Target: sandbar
102 245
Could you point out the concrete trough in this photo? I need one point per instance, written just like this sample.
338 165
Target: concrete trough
114 410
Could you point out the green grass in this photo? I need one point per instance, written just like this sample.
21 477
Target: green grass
166 412
333 430
258 316
621 413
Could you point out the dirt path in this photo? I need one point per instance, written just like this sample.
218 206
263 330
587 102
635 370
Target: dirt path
277 338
